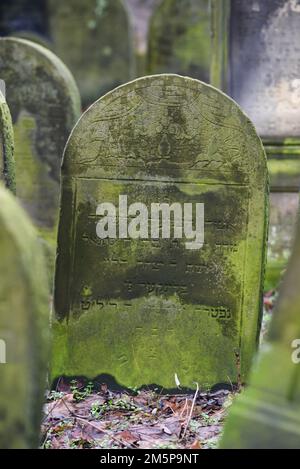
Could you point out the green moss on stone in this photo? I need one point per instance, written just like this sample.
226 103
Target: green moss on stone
143 310
24 327
7 164
45 104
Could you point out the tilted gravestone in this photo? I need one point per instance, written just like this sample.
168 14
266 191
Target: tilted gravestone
7 164
45 104
24 328
94 40
147 300
267 414
256 60
179 39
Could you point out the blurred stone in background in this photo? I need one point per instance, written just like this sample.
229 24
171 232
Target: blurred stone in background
92 37
256 60
179 39
141 12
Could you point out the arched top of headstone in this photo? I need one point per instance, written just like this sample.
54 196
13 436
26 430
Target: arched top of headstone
7 166
45 104
161 141
167 126
23 62
94 39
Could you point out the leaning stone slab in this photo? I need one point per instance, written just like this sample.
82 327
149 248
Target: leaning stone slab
267 414
44 104
24 328
7 164
142 303
179 39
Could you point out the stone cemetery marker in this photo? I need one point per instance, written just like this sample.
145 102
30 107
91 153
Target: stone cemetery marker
138 296
94 39
267 414
24 328
44 103
256 60
179 39
7 165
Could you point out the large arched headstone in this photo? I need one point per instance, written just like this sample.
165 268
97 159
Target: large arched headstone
179 39
7 164
143 304
24 328
44 104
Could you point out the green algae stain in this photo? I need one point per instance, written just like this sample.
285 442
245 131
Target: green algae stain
7 163
143 310
130 348
36 190
24 325
179 39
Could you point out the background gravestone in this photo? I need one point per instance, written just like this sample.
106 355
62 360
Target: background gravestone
256 60
142 310
45 104
94 39
267 414
24 328
140 13
7 165
179 39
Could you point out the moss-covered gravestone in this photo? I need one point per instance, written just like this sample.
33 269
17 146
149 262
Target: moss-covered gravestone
24 327
148 299
94 39
44 103
267 414
256 60
179 39
7 165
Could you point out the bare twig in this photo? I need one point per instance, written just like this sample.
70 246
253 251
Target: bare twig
191 411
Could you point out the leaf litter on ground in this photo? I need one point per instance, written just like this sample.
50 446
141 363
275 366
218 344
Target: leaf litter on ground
78 416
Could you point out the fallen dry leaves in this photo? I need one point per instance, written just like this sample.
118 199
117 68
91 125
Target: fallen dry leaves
105 419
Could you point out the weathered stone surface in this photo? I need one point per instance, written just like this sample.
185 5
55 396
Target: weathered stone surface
45 104
24 328
179 39
263 59
142 310
267 414
94 40
7 164
265 64
256 60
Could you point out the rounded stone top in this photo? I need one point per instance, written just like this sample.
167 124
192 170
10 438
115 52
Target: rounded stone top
24 62
166 126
